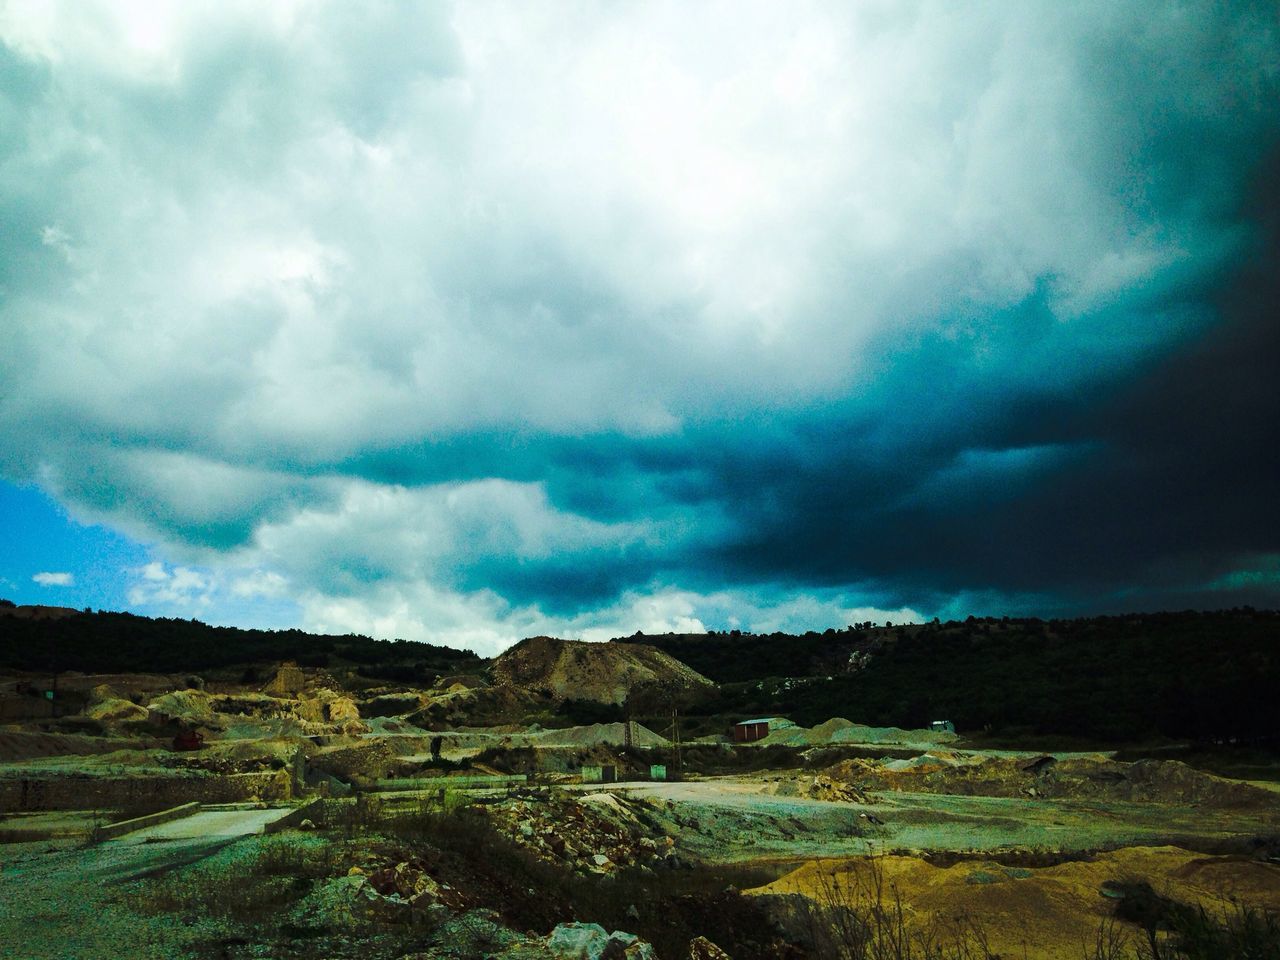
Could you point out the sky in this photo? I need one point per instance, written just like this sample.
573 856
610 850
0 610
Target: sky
464 323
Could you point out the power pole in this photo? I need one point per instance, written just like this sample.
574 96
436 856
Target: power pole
675 742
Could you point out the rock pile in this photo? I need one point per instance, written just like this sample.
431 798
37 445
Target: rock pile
700 948
482 933
823 787
404 892
596 833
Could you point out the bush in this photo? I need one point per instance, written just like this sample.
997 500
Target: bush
1169 930
858 916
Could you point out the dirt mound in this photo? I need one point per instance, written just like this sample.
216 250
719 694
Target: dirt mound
1051 911
821 788
189 706
117 710
839 730
329 707
601 672
612 734
1146 781
478 706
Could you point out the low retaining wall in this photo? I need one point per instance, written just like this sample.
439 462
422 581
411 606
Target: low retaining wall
107 831
106 793
308 811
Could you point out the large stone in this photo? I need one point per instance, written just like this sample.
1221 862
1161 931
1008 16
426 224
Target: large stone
589 941
700 948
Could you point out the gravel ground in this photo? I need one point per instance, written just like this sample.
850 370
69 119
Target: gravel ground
70 903
62 901
733 820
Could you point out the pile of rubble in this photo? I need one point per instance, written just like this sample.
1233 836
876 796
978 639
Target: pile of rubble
481 933
406 893
597 832
823 787
403 892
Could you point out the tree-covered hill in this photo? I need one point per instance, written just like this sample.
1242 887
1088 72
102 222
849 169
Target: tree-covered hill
1184 675
123 643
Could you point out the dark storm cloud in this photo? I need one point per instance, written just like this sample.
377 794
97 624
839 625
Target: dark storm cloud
465 322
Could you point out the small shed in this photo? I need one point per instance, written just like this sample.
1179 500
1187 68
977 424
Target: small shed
746 731
600 773
942 726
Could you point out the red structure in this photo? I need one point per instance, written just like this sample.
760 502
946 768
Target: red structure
188 740
748 730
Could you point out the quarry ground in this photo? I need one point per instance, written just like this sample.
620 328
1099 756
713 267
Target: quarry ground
83 899
739 819
451 824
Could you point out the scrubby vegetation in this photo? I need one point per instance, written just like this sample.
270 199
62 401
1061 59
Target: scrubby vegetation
460 847
1169 930
106 642
1179 675
1196 676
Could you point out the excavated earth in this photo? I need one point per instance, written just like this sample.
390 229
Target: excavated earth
1075 778
603 672
1045 913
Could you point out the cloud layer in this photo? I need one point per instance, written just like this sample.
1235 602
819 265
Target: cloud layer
473 321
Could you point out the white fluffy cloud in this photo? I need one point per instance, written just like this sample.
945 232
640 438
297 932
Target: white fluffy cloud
484 622
54 579
179 589
263 258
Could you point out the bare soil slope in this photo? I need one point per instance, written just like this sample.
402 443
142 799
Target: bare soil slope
1050 912
601 672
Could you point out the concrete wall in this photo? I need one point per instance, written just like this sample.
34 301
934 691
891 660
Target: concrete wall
108 793
120 828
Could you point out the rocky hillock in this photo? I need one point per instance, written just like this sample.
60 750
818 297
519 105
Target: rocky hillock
601 672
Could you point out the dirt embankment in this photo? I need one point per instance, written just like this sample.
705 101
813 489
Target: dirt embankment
1048 912
1144 781
601 672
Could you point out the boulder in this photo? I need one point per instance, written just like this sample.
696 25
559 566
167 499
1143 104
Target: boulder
589 941
700 948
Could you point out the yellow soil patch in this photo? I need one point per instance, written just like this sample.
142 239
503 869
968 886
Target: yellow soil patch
1048 912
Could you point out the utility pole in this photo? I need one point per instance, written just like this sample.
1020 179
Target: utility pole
675 743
